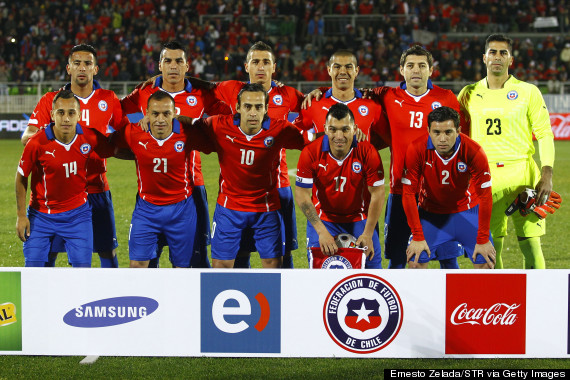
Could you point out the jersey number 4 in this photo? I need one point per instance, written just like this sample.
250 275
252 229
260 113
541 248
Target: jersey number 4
493 126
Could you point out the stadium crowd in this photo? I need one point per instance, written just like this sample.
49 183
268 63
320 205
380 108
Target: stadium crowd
128 36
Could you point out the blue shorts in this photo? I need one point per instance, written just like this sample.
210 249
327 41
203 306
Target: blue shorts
355 229
397 233
440 229
229 227
287 212
103 219
202 240
72 227
176 222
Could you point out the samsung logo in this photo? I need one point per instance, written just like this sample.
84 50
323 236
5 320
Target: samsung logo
110 312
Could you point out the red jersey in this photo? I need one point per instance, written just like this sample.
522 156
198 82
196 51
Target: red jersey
367 113
59 171
407 117
99 110
191 102
340 187
162 165
282 100
446 186
248 164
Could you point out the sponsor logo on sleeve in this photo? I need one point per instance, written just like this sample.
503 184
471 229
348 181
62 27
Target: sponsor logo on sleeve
481 322
110 312
241 312
363 313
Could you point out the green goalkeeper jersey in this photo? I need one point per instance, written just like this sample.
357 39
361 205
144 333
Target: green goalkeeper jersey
502 121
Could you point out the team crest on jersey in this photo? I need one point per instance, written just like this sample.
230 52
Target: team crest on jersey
461 166
435 105
512 95
278 100
268 142
356 167
363 110
336 262
85 148
191 100
363 313
103 105
179 146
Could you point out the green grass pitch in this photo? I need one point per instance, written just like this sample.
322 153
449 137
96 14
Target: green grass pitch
122 178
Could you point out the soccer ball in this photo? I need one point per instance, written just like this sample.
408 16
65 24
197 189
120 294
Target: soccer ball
345 241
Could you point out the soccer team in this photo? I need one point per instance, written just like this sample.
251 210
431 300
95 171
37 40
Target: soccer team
448 191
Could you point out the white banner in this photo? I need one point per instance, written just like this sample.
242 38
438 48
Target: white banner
287 313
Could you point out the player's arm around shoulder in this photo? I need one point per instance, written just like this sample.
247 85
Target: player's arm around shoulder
199 133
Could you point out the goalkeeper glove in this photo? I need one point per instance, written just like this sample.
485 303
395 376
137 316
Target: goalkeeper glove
526 203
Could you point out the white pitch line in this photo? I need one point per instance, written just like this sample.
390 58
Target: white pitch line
89 359
292 172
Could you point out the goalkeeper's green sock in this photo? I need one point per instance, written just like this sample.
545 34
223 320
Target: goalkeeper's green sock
532 252
498 244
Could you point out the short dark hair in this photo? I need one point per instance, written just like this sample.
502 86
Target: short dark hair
65 94
416 50
158 96
253 87
442 114
83 47
342 53
339 111
259 46
499 38
172 45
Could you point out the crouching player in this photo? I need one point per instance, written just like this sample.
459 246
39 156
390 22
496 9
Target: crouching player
340 187
56 157
450 174
165 205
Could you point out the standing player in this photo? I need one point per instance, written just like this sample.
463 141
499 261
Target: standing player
407 107
248 146
343 70
190 102
340 187
57 158
100 109
502 114
449 174
260 65
165 203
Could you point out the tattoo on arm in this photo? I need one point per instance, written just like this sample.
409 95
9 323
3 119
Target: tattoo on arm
310 212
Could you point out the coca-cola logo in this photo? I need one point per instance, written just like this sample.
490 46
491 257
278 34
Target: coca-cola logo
498 314
479 322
